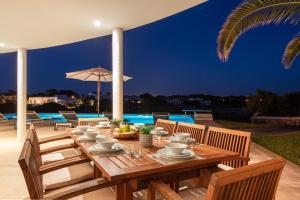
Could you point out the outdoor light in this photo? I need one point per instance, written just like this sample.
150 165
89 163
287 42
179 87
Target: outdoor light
97 23
2 45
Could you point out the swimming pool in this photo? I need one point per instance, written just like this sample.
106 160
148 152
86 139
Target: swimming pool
132 118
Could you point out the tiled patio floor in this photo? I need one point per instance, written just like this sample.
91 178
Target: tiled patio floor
12 184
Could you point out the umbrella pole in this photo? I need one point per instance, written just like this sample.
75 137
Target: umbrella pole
98 95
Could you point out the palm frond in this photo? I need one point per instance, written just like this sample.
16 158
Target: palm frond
253 13
292 50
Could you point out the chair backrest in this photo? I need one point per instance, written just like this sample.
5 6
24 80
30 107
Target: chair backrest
168 125
2 118
30 169
230 140
32 115
160 115
91 121
197 131
253 182
70 116
34 141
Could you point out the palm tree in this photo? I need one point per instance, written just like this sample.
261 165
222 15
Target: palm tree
254 13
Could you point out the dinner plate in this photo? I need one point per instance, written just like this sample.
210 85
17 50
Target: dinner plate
84 138
99 149
77 132
102 126
165 154
184 154
174 139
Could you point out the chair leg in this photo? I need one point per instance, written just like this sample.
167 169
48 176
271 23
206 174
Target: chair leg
204 178
175 186
151 193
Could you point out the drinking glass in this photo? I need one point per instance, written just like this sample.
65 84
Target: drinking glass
135 152
191 144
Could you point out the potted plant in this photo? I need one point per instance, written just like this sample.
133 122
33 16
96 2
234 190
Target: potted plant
146 137
115 123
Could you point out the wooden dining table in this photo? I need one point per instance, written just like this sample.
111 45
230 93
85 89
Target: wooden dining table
133 174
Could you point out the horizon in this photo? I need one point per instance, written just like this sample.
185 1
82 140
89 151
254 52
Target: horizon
161 63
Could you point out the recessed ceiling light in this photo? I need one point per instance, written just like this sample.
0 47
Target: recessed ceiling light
2 45
97 23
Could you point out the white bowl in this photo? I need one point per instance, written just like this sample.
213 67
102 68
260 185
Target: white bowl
91 134
139 125
91 129
157 130
104 123
175 148
82 128
108 143
182 136
100 138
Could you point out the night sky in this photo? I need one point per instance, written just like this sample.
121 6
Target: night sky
176 55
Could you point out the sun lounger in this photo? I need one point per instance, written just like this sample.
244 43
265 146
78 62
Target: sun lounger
7 122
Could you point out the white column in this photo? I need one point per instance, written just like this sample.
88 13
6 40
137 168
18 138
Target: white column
21 93
117 61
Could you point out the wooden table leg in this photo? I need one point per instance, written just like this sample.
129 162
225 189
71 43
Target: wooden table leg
120 192
128 192
151 193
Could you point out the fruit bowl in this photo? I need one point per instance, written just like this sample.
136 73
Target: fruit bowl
126 135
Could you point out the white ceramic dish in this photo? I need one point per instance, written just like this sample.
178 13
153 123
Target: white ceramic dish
107 143
91 134
175 148
83 128
77 132
104 123
182 136
100 138
98 148
83 138
187 154
102 126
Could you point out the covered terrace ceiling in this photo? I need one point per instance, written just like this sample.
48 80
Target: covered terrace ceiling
36 24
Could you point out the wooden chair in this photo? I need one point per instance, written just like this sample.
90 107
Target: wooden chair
168 125
70 116
160 115
54 153
253 182
60 171
231 140
197 131
91 121
34 180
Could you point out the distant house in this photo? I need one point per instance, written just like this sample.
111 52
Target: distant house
65 100
175 101
8 98
59 99
201 101
132 98
41 100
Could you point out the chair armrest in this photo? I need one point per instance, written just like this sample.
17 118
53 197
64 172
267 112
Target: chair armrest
54 138
163 189
63 163
58 148
78 189
245 160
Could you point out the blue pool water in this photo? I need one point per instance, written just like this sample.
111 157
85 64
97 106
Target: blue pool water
132 118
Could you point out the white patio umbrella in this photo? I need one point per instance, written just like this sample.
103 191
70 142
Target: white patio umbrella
98 74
